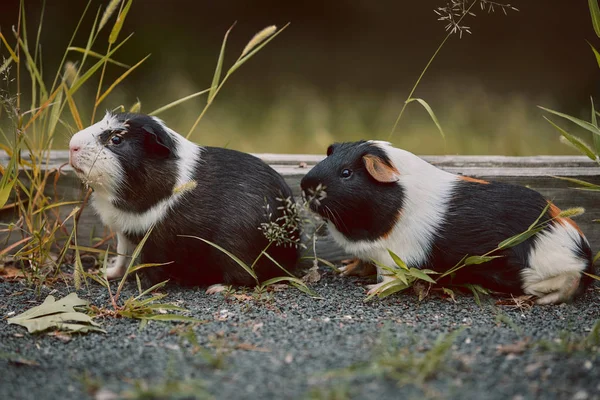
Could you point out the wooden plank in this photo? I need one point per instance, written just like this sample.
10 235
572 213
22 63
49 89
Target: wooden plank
535 172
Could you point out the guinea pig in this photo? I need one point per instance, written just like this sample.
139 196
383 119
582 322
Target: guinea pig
144 174
377 198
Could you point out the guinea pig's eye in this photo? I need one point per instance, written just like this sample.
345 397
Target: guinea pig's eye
116 139
346 173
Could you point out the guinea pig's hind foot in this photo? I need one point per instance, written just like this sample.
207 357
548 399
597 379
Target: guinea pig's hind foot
558 289
217 288
374 289
357 267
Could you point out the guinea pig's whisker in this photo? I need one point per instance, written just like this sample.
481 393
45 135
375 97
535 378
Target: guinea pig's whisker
336 214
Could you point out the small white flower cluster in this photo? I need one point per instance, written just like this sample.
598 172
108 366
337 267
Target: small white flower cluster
455 12
284 230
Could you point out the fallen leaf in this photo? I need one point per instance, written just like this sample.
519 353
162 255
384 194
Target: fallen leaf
59 314
312 276
288 358
242 297
514 348
105 394
250 347
11 272
421 289
18 360
62 336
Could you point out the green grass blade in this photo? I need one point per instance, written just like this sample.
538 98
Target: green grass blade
596 138
475 260
171 317
584 124
399 262
5 192
277 264
119 80
66 52
88 74
578 182
595 14
395 287
431 113
518 239
534 223
151 289
177 102
579 144
417 273
217 75
13 56
148 265
114 34
248 56
136 107
230 255
96 55
33 69
596 54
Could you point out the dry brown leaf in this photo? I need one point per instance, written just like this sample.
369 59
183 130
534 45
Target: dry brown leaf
242 297
312 276
11 272
250 347
514 348
62 336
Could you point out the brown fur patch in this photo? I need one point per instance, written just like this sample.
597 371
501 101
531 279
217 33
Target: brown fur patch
555 212
474 180
379 170
397 217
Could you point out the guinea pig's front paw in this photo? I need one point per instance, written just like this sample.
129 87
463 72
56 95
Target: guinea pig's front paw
116 268
217 288
357 267
374 289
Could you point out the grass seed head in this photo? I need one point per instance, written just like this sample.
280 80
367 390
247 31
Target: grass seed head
258 39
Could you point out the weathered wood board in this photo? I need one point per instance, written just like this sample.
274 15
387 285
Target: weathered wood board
535 172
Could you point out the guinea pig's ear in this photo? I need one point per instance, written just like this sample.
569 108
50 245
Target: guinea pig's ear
153 142
380 170
330 149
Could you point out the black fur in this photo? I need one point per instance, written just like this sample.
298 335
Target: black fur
360 207
479 217
148 157
226 208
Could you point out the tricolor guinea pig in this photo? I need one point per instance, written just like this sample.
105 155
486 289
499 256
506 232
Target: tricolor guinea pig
144 175
376 197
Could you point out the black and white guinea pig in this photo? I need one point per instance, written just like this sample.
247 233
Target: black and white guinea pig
135 163
377 197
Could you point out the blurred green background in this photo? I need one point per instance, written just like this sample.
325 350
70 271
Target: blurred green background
342 70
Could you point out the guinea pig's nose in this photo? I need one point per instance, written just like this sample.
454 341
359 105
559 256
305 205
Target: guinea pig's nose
74 149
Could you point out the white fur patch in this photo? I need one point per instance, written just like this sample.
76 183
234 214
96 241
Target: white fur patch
553 255
95 165
427 191
107 166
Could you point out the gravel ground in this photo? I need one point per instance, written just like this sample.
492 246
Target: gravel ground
289 346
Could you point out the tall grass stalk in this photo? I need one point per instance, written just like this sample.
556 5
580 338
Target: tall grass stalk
51 108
